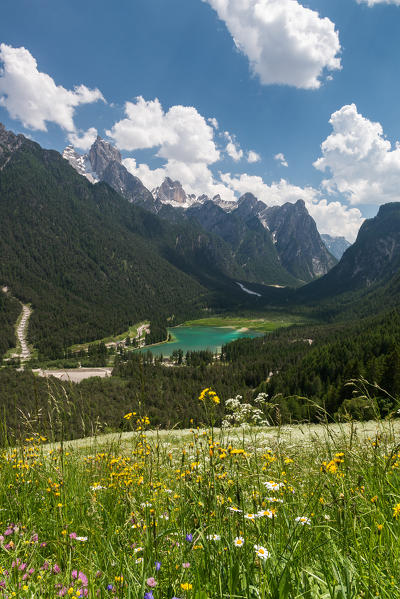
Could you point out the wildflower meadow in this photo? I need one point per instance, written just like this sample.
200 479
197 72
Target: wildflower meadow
243 512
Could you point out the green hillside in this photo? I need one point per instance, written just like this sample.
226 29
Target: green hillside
82 255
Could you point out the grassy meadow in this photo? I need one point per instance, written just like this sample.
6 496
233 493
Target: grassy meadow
266 324
257 512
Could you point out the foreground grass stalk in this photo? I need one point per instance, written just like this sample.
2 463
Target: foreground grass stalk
240 513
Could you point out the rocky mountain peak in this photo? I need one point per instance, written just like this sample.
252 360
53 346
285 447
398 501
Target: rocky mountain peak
248 198
249 205
101 154
336 245
297 240
300 204
170 192
9 142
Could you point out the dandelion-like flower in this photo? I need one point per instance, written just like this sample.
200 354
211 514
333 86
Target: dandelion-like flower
396 510
208 393
129 415
261 552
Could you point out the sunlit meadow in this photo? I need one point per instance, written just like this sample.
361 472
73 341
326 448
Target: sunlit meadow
238 512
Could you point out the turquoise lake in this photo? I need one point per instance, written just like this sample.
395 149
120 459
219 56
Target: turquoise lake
199 338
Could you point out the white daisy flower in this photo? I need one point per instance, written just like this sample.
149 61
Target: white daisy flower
238 542
265 514
250 516
273 500
303 520
234 509
272 486
261 552
214 537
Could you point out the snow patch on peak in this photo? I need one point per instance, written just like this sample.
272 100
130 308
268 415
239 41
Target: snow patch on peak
80 163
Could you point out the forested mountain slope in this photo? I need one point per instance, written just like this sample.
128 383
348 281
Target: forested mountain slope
373 258
80 253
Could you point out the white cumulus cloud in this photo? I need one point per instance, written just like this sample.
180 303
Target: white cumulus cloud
33 97
252 157
181 133
362 162
331 217
213 121
232 148
83 140
285 42
374 2
281 159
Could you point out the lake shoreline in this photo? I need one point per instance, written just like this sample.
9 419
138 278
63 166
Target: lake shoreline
214 338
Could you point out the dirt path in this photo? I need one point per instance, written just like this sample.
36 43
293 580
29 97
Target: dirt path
22 331
22 350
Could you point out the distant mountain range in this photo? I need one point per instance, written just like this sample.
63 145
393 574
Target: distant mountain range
93 258
336 245
278 245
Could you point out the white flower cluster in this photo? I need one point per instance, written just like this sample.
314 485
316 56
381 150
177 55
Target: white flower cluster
242 414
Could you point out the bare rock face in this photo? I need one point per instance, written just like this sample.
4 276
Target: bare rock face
224 204
80 163
101 154
170 192
104 163
129 186
9 143
373 257
299 245
336 245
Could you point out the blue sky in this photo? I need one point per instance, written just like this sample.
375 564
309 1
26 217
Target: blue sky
270 72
